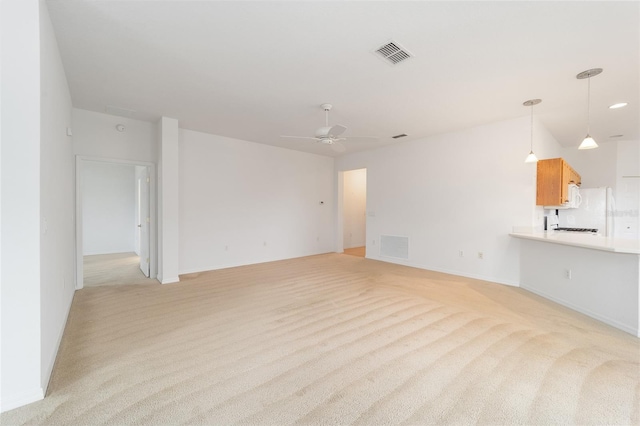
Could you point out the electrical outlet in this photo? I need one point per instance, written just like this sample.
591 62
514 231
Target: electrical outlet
226 248
373 243
461 253
480 255
567 274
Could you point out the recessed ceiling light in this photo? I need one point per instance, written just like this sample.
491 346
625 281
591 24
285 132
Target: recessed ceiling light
616 136
618 105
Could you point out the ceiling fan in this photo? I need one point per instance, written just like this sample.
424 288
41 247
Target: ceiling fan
329 135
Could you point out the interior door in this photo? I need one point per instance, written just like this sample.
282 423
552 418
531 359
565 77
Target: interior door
143 221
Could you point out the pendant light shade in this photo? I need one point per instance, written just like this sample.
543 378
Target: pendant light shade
531 158
588 142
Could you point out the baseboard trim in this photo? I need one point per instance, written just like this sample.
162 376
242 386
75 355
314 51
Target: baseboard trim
477 277
603 318
235 265
450 272
388 260
24 398
172 280
52 361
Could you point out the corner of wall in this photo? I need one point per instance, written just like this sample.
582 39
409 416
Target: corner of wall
168 200
57 241
21 399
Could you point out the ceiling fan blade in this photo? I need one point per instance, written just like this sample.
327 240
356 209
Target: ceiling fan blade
361 137
337 130
299 137
323 132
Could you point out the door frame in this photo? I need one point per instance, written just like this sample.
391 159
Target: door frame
143 186
153 229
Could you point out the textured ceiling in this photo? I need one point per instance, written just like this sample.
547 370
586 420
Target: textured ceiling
257 70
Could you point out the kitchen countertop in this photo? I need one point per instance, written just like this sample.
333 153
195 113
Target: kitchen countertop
585 240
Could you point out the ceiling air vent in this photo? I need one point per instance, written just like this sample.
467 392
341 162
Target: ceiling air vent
401 135
393 53
122 112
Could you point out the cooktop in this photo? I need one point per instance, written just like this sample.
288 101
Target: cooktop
594 230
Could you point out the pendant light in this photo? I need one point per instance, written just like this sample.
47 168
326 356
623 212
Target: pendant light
531 158
588 142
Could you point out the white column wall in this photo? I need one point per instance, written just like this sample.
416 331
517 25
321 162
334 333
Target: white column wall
168 201
21 379
57 240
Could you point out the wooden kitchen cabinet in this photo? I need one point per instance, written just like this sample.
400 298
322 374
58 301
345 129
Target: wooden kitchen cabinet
553 179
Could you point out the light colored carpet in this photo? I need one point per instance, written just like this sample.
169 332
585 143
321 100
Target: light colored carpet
356 251
113 269
334 339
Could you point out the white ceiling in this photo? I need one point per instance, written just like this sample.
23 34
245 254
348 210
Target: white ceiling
257 70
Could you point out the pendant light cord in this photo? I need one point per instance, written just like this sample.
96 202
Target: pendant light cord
588 105
531 128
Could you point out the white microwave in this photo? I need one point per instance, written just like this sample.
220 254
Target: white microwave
574 199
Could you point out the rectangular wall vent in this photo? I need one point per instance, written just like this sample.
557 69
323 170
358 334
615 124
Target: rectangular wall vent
393 53
393 246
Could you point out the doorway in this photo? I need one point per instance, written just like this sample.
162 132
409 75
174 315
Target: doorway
354 212
114 213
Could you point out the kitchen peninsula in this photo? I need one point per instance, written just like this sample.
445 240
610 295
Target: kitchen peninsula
592 274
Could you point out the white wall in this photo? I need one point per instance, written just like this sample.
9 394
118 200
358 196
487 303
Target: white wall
57 241
603 285
243 203
95 135
461 191
37 202
168 212
354 208
21 366
597 167
108 207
